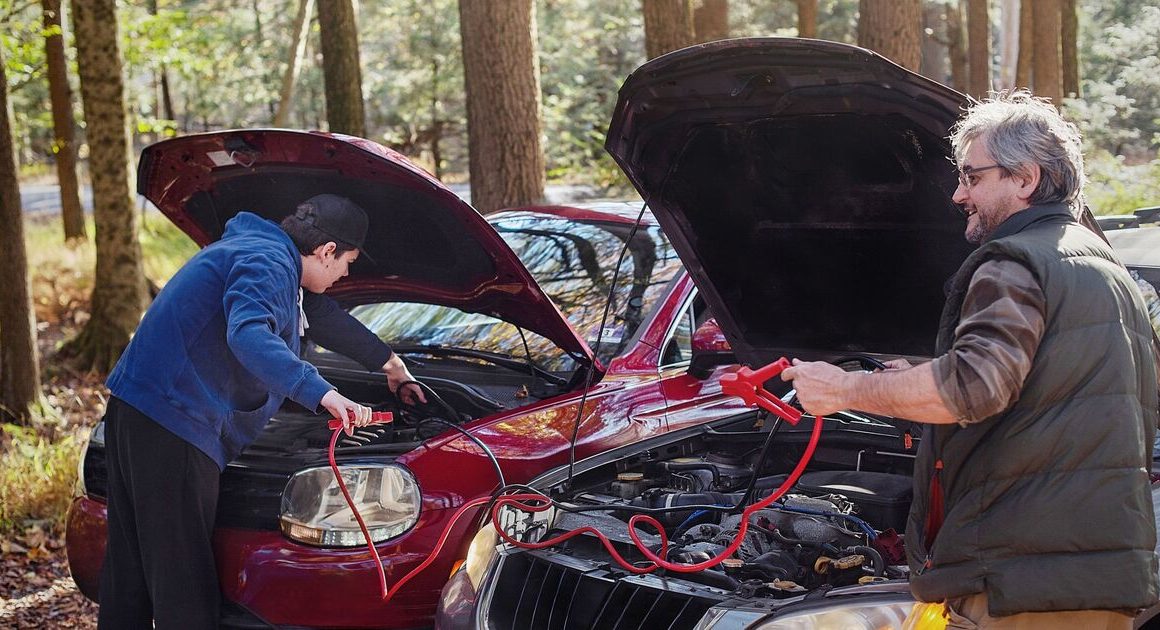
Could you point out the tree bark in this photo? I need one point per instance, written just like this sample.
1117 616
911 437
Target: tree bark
1009 46
294 62
1023 64
502 78
1070 55
19 360
807 11
668 25
119 295
63 126
979 47
935 56
956 49
340 67
892 28
1047 62
711 20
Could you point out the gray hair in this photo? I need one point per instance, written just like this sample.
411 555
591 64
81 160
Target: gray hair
1021 130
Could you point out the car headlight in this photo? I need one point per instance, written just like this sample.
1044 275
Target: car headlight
870 615
480 554
875 614
315 512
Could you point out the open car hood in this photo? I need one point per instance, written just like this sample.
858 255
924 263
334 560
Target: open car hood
428 245
807 188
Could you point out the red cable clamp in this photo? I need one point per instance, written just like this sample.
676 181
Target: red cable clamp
377 417
747 385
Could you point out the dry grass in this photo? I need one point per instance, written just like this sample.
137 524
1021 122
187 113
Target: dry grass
38 463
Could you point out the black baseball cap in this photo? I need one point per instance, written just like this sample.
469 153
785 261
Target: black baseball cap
337 217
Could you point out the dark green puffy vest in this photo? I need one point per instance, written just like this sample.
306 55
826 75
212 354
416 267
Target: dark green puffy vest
1048 506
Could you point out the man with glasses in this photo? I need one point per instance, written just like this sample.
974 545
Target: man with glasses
1032 504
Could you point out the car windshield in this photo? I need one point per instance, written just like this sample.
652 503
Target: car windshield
573 262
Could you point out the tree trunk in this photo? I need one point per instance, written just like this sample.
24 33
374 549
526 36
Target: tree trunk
892 28
340 67
19 361
1070 30
119 296
934 45
668 25
1047 62
63 126
807 11
502 79
294 62
1026 45
1009 46
955 46
979 47
711 20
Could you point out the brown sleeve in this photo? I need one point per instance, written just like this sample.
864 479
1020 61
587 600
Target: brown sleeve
1001 324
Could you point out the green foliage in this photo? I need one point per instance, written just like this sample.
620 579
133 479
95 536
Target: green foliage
1120 108
1116 187
37 475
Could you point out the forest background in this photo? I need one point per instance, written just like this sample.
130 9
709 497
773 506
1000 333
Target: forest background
394 71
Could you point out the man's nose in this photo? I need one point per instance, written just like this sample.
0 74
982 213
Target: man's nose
961 194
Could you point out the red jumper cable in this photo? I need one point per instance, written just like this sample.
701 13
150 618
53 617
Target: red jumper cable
746 384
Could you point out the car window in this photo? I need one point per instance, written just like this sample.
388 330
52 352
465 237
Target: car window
409 324
679 346
573 261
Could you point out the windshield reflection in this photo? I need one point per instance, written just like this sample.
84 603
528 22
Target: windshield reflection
573 261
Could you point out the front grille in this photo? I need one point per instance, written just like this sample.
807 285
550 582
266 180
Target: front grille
534 593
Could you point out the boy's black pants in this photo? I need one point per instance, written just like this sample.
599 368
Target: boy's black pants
162 497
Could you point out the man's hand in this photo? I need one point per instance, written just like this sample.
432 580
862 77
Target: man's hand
897 364
822 388
398 375
351 413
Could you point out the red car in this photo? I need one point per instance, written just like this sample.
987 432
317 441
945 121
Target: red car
498 315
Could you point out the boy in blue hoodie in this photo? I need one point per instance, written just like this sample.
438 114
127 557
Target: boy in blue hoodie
212 360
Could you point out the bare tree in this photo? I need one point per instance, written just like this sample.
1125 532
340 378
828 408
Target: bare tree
297 52
1023 65
19 362
956 39
63 126
1070 55
502 77
807 11
1047 63
338 34
668 26
119 295
711 20
892 28
1009 42
934 43
979 47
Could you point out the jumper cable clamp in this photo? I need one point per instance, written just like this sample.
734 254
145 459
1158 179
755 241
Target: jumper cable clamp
748 385
377 417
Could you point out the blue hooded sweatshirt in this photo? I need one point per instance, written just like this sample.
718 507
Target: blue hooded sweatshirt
217 352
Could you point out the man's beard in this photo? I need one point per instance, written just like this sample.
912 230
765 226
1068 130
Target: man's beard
986 223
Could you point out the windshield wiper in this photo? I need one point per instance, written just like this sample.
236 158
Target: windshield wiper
495 358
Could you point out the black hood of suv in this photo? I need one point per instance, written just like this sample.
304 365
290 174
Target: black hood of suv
806 185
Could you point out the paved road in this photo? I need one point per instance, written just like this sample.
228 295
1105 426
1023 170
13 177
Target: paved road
43 200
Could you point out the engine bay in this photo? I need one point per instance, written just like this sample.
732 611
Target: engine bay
839 525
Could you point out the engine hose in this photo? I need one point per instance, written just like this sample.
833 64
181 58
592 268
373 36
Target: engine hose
874 556
537 503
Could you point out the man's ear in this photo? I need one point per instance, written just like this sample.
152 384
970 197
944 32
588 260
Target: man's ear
1027 180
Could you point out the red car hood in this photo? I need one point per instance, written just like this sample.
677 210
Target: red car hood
805 185
427 244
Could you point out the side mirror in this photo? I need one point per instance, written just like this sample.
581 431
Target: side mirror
710 349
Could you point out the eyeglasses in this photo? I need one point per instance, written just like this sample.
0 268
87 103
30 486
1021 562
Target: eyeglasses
969 176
